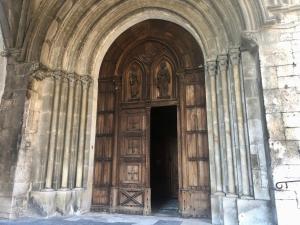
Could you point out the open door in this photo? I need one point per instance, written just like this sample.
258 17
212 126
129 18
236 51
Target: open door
164 160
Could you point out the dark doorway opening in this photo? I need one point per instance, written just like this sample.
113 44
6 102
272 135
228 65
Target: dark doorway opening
164 160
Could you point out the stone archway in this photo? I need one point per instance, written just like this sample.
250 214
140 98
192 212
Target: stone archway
130 85
72 59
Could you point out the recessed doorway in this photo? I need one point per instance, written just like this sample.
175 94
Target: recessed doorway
154 65
164 160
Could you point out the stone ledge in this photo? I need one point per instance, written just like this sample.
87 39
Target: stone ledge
51 203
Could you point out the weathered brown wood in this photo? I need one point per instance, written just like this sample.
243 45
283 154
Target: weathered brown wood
145 75
103 146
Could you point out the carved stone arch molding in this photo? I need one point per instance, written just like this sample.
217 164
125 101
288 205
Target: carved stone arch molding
237 153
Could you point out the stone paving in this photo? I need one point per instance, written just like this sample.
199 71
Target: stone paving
106 219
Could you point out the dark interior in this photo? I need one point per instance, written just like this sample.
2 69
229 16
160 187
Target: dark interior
164 160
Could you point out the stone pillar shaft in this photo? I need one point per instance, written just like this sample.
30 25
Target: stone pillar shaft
223 66
75 133
81 143
214 110
67 141
235 61
52 140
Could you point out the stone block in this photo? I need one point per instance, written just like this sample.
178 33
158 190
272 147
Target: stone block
216 209
291 119
253 106
287 212
273 101
64 202
290 100
286 36
43 202
289 82
258 212
230 211
280 54
5 207
286 70
285 194
296 45
293 152
275 126
77 195
285 152
292 134
269 77
296 36
256 135
251 87
286 172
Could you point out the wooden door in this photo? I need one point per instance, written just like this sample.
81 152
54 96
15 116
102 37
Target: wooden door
195 195
121 172
104 146
134 195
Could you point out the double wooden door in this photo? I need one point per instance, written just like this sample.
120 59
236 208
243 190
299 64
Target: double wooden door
122 152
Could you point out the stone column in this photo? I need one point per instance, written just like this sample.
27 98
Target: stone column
236 72
211 67
223 66
82 126
67 140
75 133
53 129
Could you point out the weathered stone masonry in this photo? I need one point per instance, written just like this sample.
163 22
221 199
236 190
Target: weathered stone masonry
47 113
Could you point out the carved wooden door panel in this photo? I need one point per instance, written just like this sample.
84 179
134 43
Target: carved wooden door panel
134 194
196 199
103 146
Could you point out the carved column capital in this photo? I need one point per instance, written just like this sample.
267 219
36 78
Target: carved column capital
12 52
56 75
211 67
71 77
223 62
235 56
39 75
86 80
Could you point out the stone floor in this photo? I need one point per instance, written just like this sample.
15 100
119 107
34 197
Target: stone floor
107 219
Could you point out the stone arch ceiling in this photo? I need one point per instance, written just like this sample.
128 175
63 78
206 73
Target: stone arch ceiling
73 35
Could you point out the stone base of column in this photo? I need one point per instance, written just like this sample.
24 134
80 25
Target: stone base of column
236 211
63 202
230 213
47 190
258 212
43 202
77 194
247 197
232 195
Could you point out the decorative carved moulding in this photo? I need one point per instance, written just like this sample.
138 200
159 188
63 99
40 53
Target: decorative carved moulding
12 52
40 72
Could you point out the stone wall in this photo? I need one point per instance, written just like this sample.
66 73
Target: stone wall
280 68
12 109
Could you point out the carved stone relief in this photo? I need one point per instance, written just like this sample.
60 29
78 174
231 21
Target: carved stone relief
133 83
163 80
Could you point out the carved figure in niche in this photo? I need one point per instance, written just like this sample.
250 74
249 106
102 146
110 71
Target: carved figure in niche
134 82
163 79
